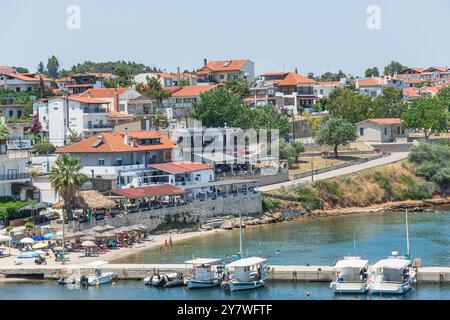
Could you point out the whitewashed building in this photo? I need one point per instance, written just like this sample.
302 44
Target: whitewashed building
381 130
222 70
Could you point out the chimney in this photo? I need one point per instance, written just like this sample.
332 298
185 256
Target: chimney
116 100
125 136
205 61
296 70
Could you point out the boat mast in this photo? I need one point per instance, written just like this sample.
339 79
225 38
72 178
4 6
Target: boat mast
407 235
240 235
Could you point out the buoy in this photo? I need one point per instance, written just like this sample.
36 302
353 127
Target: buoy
113 283
308 294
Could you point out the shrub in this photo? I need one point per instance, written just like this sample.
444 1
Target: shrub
270 204
29 225
307 197
384 183
44 147
328 190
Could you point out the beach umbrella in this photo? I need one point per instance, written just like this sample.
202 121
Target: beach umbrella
26 241
28 255
39 252
78 234
40 245
88 244
87 238
38 238
49 236
35 206
108 227
5 238
108 235
98 229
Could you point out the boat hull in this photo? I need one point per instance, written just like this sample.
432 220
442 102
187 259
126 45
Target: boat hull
390 288
98 280
241 286
198 284
349 287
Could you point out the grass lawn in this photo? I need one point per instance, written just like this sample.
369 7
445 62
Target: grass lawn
304 164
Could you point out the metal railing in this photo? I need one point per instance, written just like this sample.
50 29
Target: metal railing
15 176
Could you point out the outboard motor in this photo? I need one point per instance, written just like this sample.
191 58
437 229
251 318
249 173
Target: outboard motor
84 280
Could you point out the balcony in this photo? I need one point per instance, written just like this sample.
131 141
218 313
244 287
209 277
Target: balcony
99 127
15 177
95 110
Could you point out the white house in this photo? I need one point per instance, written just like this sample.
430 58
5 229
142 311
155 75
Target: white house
20 82
381 130
222 70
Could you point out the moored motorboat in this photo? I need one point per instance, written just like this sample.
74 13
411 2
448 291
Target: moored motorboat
393 275
97 279
165 280
206 273
246 274
351 276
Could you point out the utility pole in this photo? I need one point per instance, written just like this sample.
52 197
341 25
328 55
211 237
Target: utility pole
312 169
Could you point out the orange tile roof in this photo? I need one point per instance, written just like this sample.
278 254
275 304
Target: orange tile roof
114 142
115 114
193 91
149 191
28 77
181 167
104 92
293 79
376 81
438 68
386 121
329 83
65 79
418 70
410 91
86 100
272 74
222 65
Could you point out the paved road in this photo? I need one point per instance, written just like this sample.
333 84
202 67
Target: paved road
394 157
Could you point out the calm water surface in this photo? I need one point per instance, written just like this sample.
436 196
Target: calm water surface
321 241
315 241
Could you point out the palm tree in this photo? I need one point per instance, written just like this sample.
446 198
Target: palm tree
66 179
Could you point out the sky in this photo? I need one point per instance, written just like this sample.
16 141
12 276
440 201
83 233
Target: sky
312 36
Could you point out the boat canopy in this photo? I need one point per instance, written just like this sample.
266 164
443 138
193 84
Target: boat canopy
352 263
397 263
246 262
200 261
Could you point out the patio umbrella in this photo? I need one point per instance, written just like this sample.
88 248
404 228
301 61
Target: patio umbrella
38 238
40 245
87 238
27 241
88 244
108 227
79 234
98 229
35 206
108 235
49 236
5 238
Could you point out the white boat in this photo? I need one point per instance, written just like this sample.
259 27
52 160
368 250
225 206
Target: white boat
393 275
206 273
97 279
351 276
165 280
246 274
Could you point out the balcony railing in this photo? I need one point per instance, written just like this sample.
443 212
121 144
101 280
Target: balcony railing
15 176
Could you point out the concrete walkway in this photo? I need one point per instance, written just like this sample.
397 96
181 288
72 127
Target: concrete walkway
394 157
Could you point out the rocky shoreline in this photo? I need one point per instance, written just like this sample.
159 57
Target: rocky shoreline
436 204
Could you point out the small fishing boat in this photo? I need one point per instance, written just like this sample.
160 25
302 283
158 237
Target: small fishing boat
393 275
165 280
206 273
246 274
351 276
97 279
67 280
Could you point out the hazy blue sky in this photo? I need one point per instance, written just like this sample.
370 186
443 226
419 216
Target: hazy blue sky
314 36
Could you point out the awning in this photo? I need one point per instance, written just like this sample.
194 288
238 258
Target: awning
149 191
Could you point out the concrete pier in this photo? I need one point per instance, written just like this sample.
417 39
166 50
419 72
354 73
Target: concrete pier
140 271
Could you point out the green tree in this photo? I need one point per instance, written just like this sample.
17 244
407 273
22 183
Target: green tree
4 132
372 72
298 147
335 132
238 87
427 115
265 117
44 147
389 104
21 70
287 152
41 67
66 179
444 96
349 105
217 107
183 82
330 76
154 90
53 67
393 68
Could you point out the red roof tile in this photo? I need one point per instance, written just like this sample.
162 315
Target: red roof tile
149 191
293 79
104 92
193 91
181 167
114 142
387 121
86 100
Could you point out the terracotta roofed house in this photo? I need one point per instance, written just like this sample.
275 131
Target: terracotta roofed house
222 70
381 130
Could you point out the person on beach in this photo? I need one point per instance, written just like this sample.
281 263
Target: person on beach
170 241
165 243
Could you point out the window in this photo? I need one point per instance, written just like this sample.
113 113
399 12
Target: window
361 131
11 113
101 161
398 130
385 131
17 89
119 161
29 88
19 113
222 77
